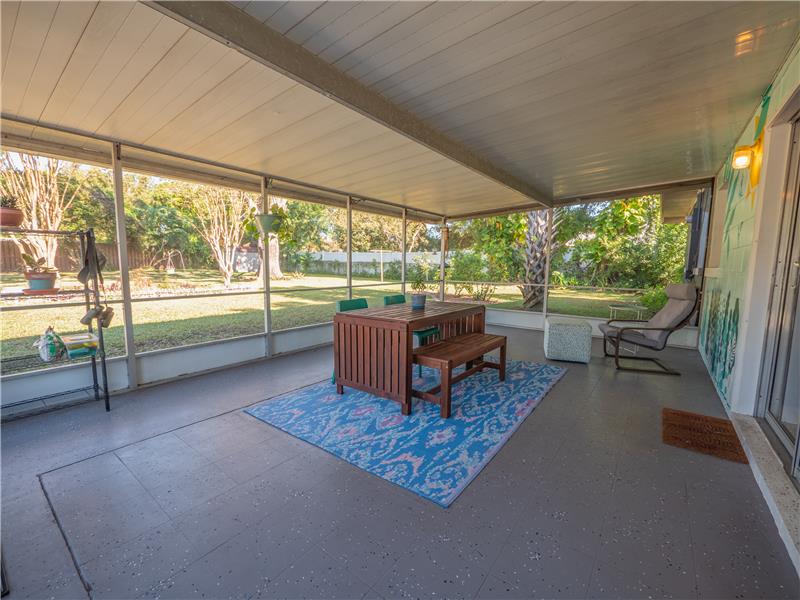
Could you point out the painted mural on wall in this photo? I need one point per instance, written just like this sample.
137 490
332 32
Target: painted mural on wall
719 328
718 337
724 294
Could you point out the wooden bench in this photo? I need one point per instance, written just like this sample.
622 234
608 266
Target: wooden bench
468 350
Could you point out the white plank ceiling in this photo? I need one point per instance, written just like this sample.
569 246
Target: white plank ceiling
574 98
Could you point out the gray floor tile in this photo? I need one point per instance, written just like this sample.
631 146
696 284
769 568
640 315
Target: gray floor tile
535 567
190 488
39 566
368 547
316 575
221 518
27 516
106 513
426 573
83 473
229 440
636 581
242 567
738 561
251 461
158 461
496 589
131 569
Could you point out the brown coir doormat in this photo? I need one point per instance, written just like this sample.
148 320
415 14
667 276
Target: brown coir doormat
700 433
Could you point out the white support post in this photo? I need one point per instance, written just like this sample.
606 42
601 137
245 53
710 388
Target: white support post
548 246
265 183
403 258
349 248
443 233
124 271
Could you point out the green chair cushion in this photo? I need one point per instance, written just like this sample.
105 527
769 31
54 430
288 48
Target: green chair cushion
354 304
425 333
396 299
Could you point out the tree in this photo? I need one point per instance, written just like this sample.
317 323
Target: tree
45 188
537 235
623 243
159 230
93 206
222 216
380 232
275 271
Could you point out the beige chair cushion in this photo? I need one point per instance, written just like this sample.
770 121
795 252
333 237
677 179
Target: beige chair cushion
680 303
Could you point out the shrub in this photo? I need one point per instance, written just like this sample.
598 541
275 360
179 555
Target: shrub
466 271
393 270
654 299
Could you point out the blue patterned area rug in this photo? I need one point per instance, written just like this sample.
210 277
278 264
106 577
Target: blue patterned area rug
433 457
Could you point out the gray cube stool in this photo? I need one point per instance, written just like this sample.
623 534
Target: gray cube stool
567 339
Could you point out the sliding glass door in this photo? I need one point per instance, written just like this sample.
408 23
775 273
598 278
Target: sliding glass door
781 382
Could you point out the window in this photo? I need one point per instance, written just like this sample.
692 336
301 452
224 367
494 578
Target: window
312 248
613 259
53 195
194 262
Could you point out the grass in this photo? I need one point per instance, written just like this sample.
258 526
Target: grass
585 303
295 302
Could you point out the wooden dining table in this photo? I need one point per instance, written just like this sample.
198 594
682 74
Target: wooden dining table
373 347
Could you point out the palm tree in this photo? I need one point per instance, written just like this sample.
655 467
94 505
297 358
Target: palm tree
540 226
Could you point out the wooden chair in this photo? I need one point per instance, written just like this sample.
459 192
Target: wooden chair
423 336
344 306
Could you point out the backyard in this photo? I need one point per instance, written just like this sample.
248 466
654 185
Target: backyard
167 323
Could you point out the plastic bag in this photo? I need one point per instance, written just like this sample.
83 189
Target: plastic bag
50 346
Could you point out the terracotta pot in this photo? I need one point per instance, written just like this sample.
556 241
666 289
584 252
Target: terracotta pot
41 281
10 217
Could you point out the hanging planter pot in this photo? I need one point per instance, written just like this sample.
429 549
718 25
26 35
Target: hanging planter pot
41 283
10 215
268 223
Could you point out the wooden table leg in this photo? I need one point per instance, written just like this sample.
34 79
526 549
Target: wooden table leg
407 367
444 394
503 362
339 389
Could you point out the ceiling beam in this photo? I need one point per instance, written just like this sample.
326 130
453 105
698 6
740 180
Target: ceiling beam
633 192
238 30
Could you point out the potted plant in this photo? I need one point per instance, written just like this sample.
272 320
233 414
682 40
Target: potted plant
41 276
10 215
419 286
270 222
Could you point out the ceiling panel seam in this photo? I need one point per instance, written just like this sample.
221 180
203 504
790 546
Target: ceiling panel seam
235 28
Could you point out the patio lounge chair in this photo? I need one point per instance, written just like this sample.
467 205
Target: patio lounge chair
682 299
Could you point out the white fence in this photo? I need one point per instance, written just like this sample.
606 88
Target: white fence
374 263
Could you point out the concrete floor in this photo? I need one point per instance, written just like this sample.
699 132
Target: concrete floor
177 494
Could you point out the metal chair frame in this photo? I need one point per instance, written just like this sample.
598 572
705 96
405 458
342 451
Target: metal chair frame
616 341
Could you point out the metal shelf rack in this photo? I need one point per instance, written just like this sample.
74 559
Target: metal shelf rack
91 294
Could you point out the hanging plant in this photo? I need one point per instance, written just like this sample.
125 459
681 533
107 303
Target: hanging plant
270 222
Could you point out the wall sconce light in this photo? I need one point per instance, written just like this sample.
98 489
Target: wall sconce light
742 157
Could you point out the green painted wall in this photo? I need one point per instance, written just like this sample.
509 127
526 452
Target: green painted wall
724 294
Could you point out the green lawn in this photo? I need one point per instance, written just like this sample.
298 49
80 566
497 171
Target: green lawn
586 303
169 323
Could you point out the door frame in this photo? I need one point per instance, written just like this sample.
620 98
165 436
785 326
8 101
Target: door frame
783 272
